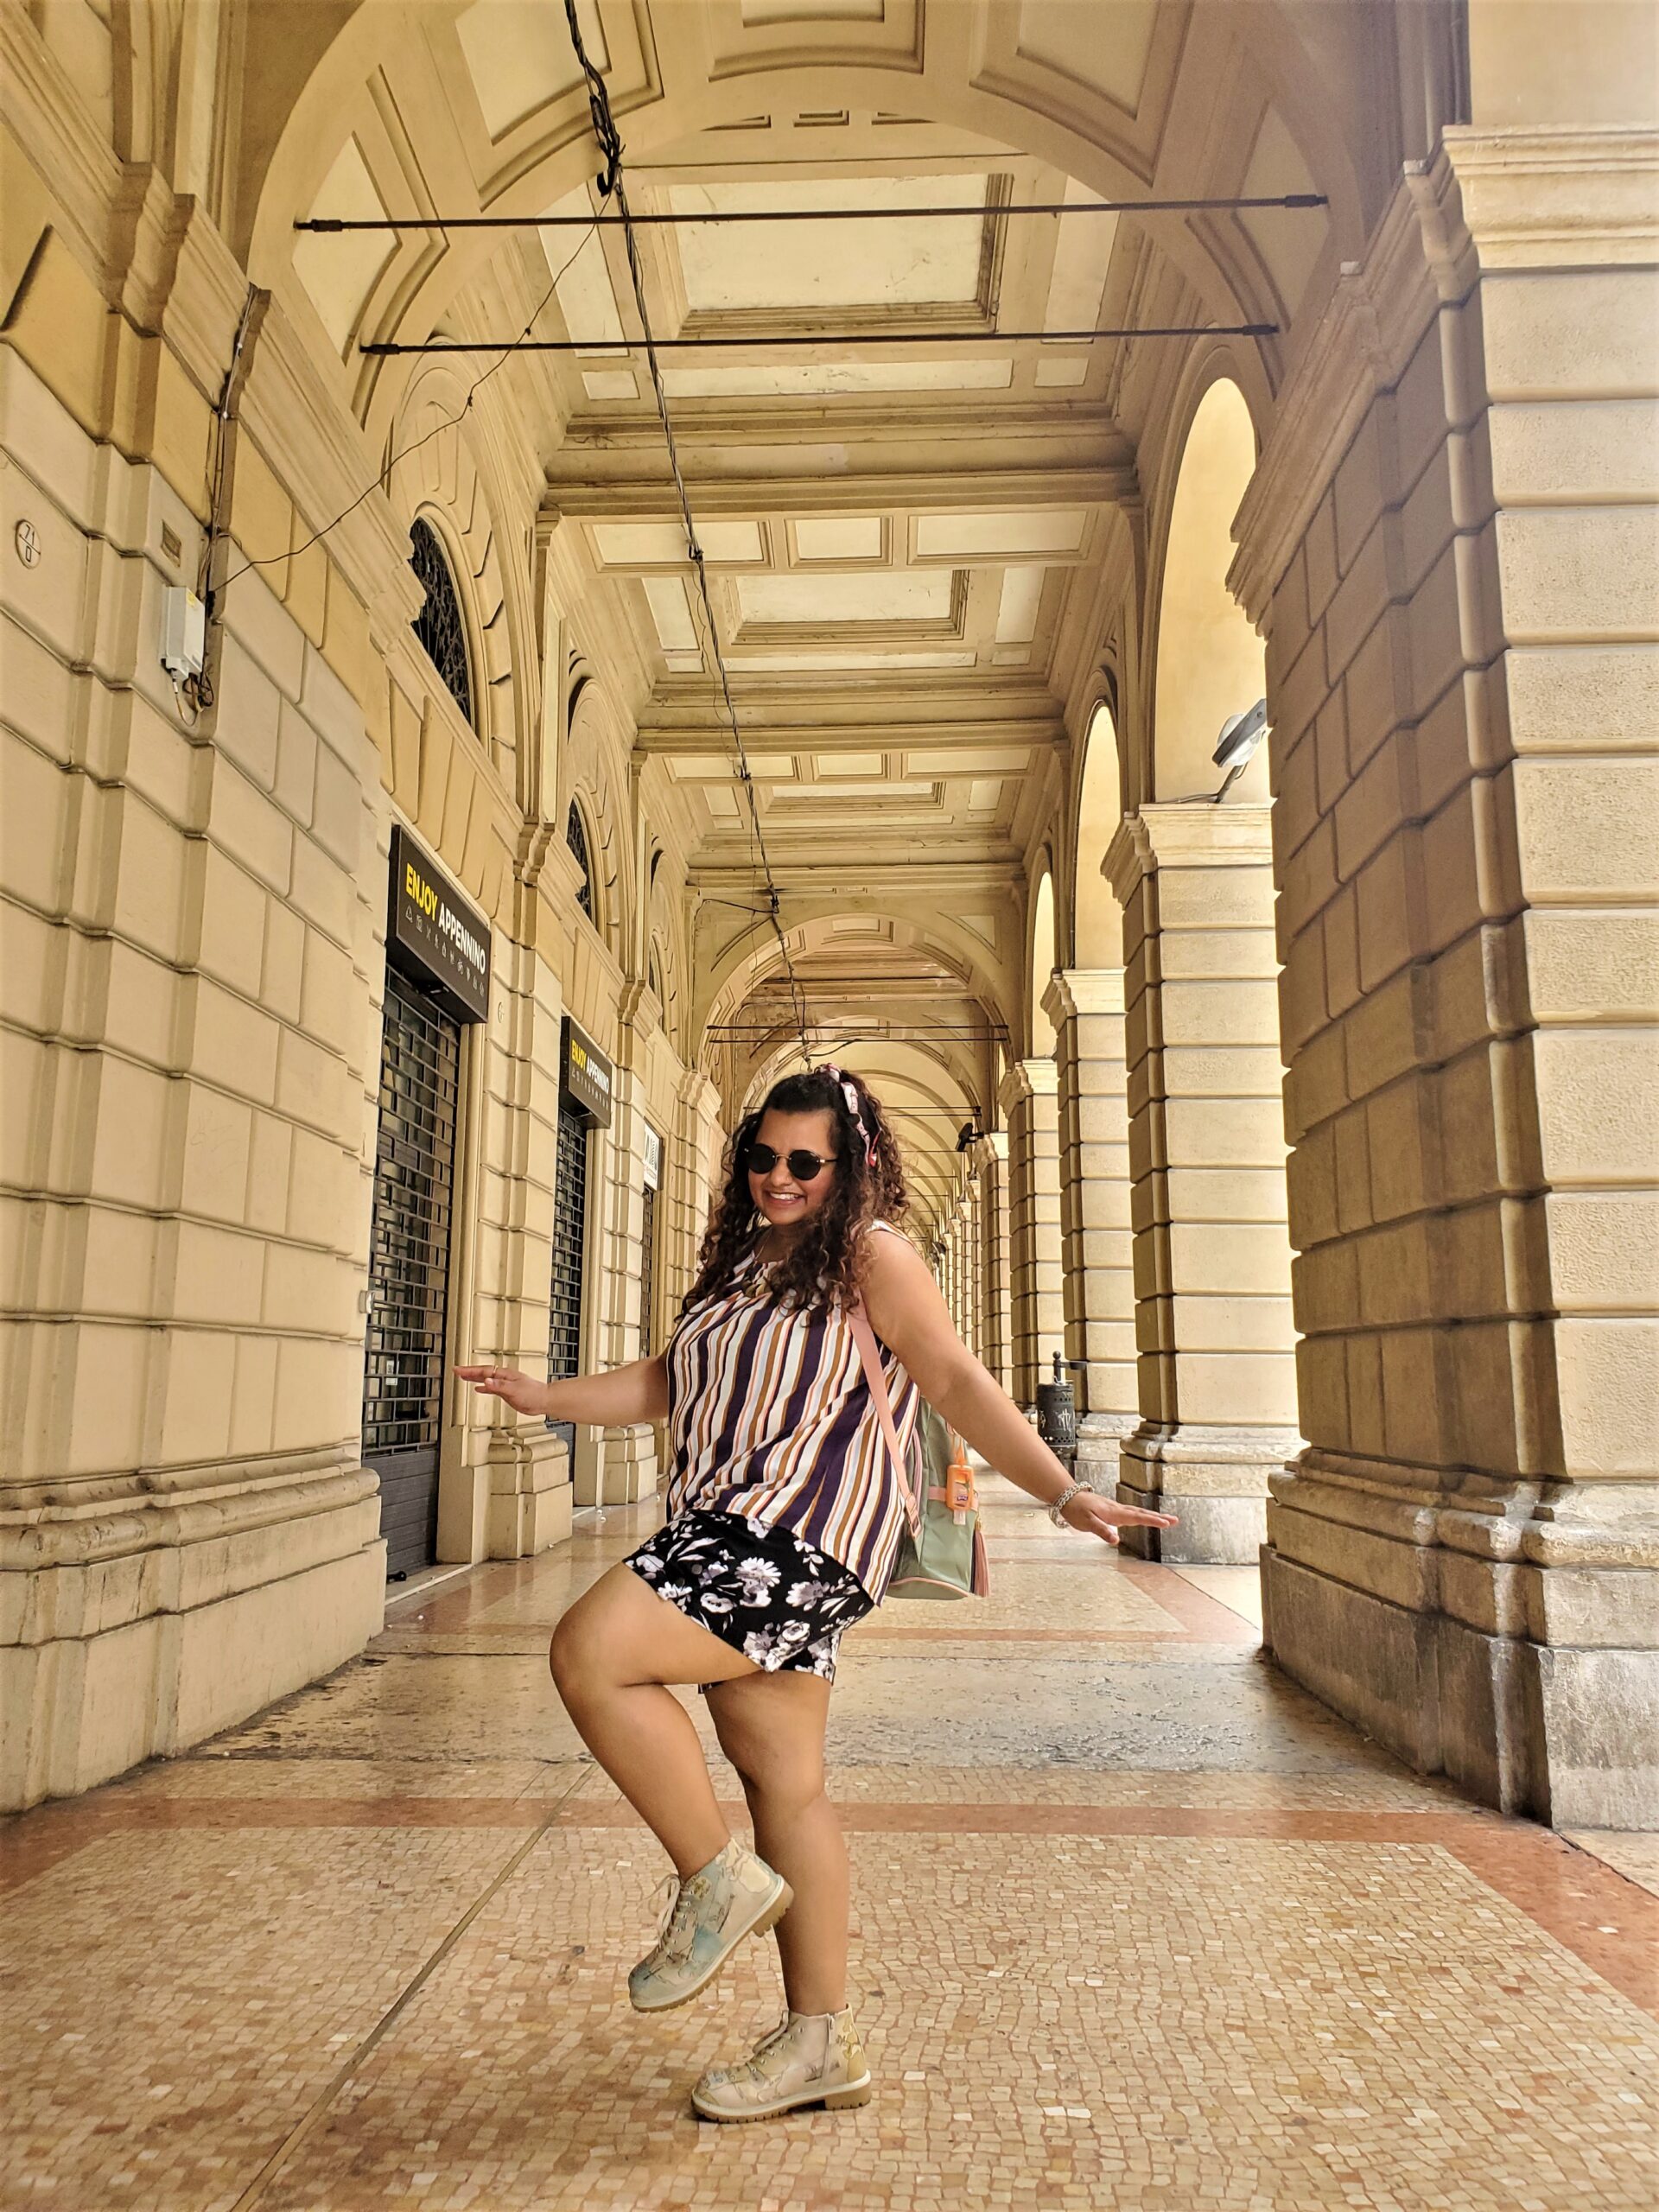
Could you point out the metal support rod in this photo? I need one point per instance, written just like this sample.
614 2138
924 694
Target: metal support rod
333 224
381 347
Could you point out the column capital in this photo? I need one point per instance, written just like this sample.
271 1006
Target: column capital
1026 1079
1186 833
1072 991
989 1151
700 1097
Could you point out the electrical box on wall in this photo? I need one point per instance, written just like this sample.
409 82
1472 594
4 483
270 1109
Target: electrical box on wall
184 632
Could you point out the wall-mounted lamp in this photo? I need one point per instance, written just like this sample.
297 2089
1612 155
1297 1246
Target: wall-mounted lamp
1240 735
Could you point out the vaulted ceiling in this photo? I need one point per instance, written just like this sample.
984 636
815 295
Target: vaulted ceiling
904 535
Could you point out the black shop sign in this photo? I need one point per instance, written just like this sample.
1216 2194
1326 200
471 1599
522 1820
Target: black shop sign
584 1076
434 936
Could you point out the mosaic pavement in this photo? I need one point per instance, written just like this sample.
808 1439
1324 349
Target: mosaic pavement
1137 1924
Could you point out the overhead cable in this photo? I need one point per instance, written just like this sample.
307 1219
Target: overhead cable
612 187
669 217
819 340
506 347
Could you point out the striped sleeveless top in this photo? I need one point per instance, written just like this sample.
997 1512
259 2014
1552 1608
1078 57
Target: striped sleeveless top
770 1418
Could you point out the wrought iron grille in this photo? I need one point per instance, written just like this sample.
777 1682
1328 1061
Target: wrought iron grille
647 1271
408 1256
576 837
569 1226
439 626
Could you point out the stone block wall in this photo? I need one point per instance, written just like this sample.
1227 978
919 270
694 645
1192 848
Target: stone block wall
192 916
1458 610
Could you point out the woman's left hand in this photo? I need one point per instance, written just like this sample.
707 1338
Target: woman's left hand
1097 1516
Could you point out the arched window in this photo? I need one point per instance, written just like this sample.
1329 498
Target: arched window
576 837
439 625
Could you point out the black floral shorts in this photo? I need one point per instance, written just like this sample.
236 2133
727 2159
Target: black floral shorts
773 1597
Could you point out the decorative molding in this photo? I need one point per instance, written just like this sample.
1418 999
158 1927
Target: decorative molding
1488 201
1032 1079
1074 991
990 1151
1547 199
1360 347
1128 858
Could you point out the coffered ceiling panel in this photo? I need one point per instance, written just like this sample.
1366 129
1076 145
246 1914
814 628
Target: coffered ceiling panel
908 597
1104 48
880 267
519 56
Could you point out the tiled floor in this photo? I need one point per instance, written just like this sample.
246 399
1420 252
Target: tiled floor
1137 1924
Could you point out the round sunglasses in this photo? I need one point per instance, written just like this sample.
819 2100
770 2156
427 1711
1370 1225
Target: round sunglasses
760 1160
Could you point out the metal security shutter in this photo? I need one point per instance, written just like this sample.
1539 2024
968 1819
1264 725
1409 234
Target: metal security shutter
570 1236
408 1269
647 1271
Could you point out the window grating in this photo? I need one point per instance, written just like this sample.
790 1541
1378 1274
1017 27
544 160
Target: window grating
576 837
647 1271
409 1257
569 1228
439 626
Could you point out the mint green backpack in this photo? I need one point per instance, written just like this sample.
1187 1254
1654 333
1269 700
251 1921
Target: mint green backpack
942 1554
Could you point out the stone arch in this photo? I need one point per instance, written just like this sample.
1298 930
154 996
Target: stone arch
592 775
1208 663
1043 958
1096 917
1003 98
442 476
665 951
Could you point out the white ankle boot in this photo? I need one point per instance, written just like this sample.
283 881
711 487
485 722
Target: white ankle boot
734 1896
809 2058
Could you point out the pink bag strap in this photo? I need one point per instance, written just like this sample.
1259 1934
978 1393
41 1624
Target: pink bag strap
870 1358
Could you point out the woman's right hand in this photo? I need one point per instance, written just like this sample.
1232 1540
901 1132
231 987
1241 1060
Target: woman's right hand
522 1392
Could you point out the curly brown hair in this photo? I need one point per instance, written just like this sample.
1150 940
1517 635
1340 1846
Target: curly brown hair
825 1266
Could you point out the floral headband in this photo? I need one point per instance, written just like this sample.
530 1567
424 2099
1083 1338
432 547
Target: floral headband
853 1107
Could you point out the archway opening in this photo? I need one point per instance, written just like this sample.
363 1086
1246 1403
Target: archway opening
1043 959
1096 917
1211 663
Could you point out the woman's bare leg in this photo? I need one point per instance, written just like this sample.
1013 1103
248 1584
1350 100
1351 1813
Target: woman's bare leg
612 1656
771 1727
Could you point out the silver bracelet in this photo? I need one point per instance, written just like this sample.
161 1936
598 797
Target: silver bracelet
1057 1511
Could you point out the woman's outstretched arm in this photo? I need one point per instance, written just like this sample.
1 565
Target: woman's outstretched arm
908 1314
636 1392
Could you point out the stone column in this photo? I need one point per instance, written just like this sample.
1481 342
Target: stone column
689 1177
1030 1102
1218 1386
990 1158
973 1261
1086 1007
628 1454
1464 717
519 1498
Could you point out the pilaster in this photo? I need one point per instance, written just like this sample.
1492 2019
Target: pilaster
1216 1385
1450 545
990 1157
1096 1239
1030 1102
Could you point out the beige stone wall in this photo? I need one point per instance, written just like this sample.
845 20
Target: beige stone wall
189 929
192 900
1458 607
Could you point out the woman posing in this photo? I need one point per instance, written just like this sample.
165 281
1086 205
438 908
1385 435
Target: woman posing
783 1517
